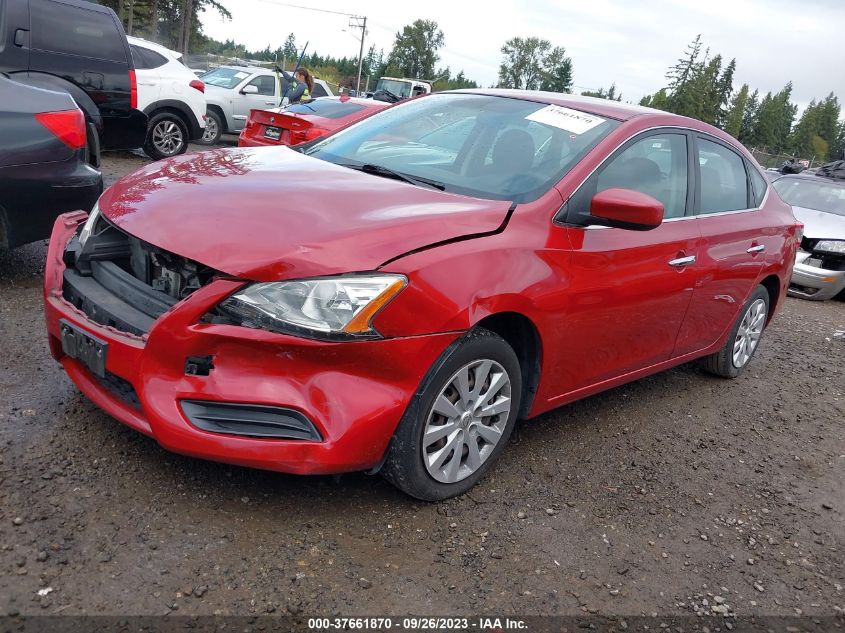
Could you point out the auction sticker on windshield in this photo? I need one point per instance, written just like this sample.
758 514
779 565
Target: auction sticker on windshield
565 119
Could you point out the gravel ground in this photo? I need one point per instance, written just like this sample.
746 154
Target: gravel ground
679 494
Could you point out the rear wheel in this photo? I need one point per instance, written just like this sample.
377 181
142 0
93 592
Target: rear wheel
213 128
167 136
460 420
744 339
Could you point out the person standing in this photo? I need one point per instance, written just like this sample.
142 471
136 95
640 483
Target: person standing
300 85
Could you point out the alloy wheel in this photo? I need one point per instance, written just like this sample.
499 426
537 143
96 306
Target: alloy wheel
210 132
749 333
167 137
466 421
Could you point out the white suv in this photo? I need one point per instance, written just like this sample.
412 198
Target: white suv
171 96
232 91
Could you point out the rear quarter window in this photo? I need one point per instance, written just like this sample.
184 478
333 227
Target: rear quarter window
758 185
145 59
63 28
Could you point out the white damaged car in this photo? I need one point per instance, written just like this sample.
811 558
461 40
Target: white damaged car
819 203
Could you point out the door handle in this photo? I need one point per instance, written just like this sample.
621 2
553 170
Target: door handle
759 248
269 103
682 261
21 38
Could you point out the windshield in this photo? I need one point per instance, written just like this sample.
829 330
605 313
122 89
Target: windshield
399 88
224 77
488 147
819 195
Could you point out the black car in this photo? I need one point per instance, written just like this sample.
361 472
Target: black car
81 48
44 162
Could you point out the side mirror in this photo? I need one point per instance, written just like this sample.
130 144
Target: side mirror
626 209
249 90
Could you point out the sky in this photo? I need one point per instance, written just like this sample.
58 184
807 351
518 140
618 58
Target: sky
629 42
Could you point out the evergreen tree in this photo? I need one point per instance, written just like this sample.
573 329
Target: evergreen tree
736 112
749 118
609 94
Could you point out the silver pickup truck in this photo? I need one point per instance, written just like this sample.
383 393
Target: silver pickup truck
232 91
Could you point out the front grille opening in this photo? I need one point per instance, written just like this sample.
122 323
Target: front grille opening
124 283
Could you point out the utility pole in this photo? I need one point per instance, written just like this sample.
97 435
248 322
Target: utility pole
359 23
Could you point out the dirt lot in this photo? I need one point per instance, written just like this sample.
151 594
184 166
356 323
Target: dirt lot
677 494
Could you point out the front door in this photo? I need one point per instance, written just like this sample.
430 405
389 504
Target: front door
266 97
629 291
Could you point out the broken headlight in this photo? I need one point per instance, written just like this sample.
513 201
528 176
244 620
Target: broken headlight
831 246
333 308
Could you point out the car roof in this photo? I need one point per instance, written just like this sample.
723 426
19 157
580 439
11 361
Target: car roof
602 107
153 46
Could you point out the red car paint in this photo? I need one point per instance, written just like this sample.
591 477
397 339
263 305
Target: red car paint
606 307
300 127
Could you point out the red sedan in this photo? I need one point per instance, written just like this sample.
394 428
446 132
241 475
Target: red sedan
303 122
394 296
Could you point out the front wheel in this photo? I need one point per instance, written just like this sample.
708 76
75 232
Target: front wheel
742 342
459 421
167 136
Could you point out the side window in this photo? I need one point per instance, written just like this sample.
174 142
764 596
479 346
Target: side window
266 85
655 165
758 184
63 28
319 91
152 59
724 184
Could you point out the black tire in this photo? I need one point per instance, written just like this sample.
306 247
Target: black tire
722 362
213 129
167 136
404 466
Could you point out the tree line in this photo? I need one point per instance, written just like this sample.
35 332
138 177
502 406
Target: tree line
701 86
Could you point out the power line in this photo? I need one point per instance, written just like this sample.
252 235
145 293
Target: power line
299 6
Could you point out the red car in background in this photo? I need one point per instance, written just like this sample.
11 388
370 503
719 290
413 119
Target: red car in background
303 122
394 296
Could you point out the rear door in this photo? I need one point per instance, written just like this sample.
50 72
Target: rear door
629 290
147 74
736 237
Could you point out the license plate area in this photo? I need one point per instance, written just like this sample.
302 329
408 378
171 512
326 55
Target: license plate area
273 133
87 349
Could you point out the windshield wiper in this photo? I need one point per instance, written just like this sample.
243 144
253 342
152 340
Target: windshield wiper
379 170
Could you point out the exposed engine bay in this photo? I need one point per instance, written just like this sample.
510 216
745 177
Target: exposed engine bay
123 282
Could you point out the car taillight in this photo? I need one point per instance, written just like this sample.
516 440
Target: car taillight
133 90
67 125
196 84
303 136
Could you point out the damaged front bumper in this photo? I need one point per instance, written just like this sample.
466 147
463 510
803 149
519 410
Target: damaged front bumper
811 280
225 392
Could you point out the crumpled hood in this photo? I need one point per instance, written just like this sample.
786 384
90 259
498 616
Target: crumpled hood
269 214
820 225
